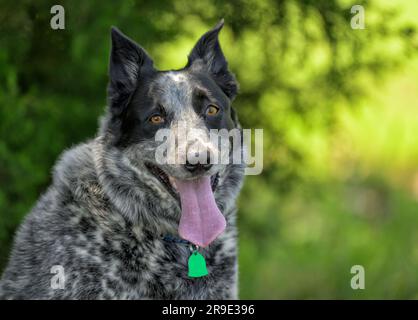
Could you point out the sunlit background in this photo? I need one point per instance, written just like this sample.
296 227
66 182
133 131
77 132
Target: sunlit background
339 109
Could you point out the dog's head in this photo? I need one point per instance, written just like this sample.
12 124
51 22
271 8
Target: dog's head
187 103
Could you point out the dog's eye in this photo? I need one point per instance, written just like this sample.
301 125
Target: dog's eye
156 119
212 110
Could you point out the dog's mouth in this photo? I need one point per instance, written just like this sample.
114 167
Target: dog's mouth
201 221
169 182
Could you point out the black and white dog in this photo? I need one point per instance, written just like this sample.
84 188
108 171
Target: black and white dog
116 223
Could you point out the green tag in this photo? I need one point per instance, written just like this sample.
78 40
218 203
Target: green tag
197 265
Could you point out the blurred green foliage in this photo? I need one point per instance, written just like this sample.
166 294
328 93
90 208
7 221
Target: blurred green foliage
338 107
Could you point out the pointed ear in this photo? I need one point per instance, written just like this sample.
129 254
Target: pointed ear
208 53
127 60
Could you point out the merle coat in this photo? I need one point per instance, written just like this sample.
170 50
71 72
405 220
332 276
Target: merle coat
103 218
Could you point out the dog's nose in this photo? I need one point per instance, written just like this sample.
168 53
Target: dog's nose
198 166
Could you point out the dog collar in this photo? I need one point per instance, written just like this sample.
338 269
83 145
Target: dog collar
169 238
196 262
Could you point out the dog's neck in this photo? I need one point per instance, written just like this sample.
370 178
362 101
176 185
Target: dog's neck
126 189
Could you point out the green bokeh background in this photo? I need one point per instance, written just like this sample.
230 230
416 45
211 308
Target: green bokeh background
339 109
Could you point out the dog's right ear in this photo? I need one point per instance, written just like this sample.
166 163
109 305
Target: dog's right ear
208 52
127 60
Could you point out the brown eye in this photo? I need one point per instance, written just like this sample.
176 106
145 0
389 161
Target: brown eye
212 110
157 119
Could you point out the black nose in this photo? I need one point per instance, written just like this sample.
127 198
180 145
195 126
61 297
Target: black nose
198 166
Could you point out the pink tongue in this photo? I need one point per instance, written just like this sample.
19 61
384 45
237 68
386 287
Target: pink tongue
201 221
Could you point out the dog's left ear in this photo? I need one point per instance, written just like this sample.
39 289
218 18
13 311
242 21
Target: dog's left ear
128 62
208 52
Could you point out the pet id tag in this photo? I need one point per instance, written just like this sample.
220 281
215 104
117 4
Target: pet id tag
197 265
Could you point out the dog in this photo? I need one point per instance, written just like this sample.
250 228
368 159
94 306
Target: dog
117 224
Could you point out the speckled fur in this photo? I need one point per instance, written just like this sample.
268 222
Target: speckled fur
102 220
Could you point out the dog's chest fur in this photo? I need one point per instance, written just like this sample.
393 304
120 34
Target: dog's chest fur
105 256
